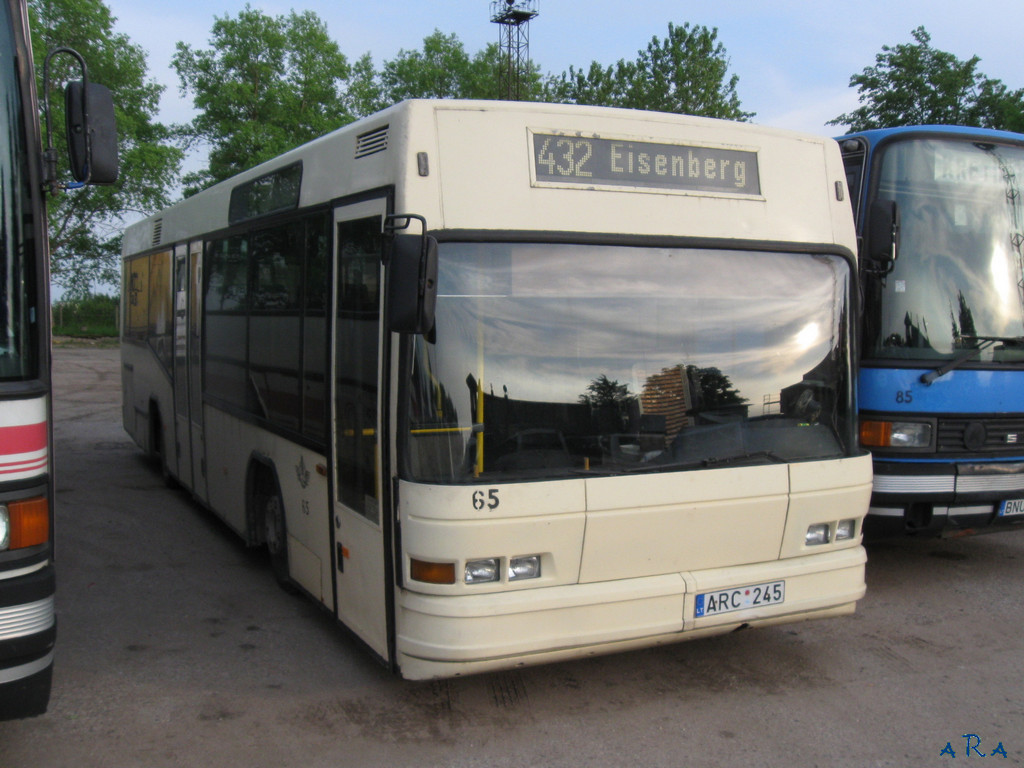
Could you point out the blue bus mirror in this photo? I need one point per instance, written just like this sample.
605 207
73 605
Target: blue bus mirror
884 232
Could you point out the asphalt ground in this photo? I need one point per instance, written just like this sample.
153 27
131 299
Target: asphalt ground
175 647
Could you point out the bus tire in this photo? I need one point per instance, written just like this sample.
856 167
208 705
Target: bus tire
156 451
275 528
27 697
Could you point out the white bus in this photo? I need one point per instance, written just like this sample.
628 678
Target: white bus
504 383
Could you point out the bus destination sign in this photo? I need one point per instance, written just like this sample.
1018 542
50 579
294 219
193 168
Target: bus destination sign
590 162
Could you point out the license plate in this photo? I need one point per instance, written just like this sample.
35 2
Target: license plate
726 600
1011 508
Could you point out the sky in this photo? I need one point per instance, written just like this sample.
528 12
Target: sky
794 58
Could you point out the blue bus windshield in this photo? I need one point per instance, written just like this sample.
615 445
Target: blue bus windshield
959 278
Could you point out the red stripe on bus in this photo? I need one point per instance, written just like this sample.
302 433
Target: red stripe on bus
23 439
21 467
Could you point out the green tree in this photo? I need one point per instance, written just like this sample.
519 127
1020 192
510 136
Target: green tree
714 389
605 392
441 69
85 224
686 73
916 84
265 85
364 95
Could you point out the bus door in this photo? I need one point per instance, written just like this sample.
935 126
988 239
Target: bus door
356 408
195 368
182 459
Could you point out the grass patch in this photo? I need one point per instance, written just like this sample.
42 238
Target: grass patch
90 318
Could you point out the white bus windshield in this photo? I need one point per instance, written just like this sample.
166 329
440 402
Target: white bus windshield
957 283
555 360
17 270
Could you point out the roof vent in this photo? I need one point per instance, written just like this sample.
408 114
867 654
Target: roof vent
158 231
372 142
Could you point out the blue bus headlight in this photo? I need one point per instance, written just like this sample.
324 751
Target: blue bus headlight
895 434
5 528
911 434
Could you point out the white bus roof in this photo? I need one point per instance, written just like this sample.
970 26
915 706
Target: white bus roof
480 165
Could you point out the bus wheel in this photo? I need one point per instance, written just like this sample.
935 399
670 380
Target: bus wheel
156 447
27 697
276 535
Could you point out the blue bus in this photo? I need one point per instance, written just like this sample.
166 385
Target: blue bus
940 224
28 623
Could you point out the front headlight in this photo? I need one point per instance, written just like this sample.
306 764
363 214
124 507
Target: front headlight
482 571
5 527
910 434
895 434
524 568
846 530
817 534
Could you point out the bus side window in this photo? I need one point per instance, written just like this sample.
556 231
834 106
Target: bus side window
357 334
314 330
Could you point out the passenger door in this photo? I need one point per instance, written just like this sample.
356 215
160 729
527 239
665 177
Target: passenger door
195 369
361 531
181 462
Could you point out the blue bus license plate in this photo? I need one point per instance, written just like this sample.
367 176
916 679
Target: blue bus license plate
726 600
1011 508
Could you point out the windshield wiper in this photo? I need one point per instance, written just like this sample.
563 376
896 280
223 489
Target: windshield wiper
726 460
655 466
1014 341
956 362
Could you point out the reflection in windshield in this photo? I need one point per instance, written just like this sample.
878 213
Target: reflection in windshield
556 360
961 262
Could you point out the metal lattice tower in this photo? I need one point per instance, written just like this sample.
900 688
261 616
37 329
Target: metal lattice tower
513 18
1014 199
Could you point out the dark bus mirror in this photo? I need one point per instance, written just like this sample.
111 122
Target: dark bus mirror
412 284
884 232
92 133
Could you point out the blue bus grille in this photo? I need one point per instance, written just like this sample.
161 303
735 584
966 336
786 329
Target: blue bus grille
973 436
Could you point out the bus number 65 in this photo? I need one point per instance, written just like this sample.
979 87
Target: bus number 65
490 500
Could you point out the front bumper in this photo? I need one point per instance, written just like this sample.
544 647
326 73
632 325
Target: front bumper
28 625
941 498
444 636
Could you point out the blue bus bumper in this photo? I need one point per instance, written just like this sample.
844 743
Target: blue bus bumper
945 498
28 630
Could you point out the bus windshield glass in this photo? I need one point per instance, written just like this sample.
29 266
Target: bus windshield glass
957 283
17 272
561 360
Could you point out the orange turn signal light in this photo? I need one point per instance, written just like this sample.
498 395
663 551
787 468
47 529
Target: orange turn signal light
432 573
876 434
30 522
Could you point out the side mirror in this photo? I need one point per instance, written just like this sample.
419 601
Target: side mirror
412 284
92 133
884 232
